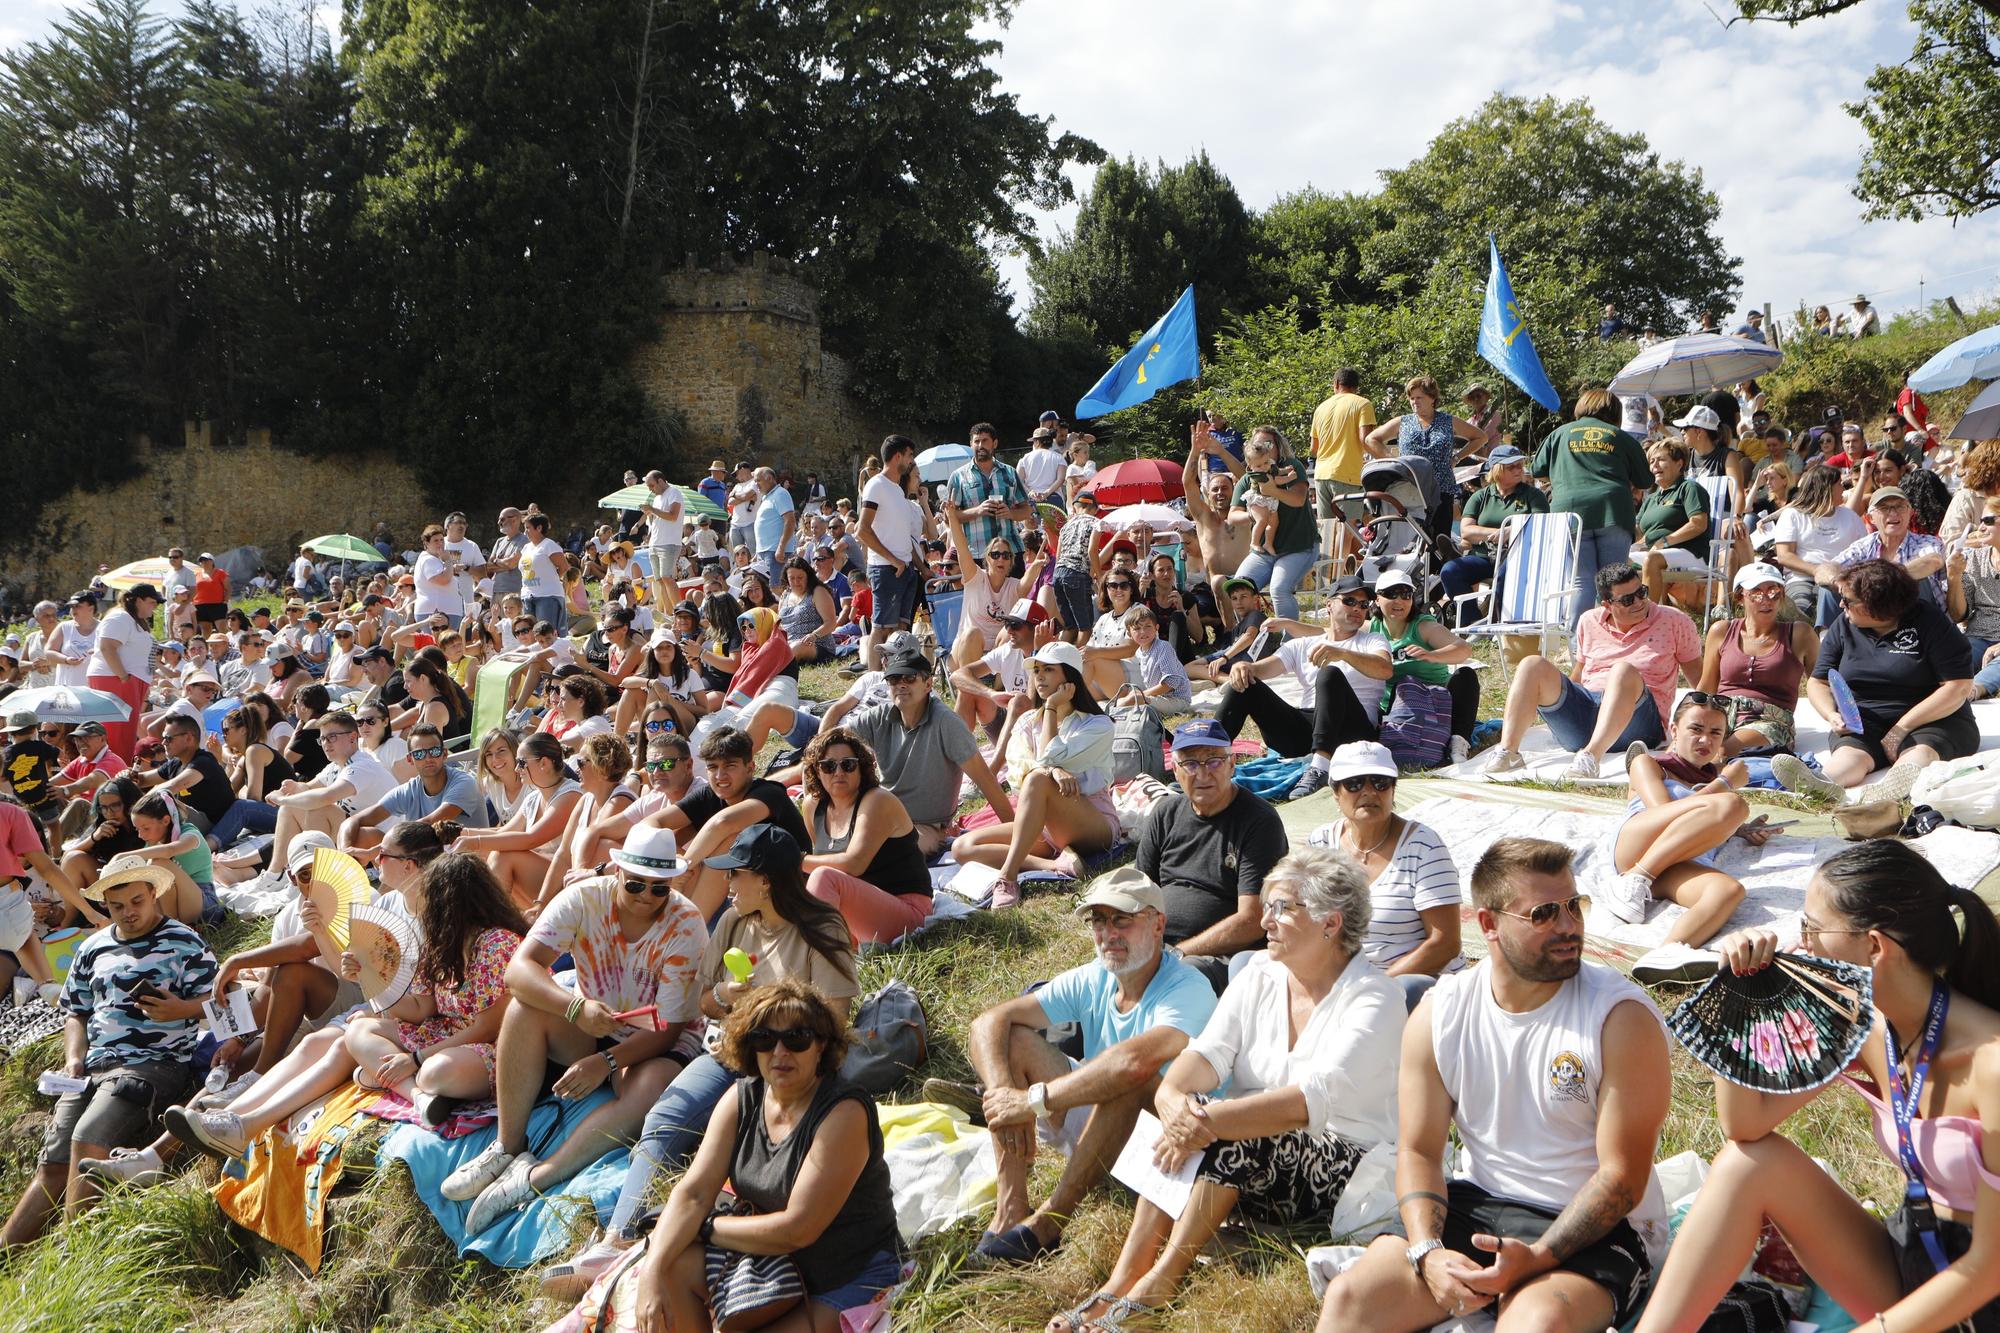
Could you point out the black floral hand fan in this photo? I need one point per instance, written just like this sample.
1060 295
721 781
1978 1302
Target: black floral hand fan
1792 1027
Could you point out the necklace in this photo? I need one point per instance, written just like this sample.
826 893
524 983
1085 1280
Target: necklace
1387 829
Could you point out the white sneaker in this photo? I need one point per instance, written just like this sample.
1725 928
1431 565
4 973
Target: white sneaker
503 1196
1628 897
220 1132
1792 774
1675 962
1461 749
139 1167
24 990
1506 761
49 992
1583 766
571 1278
467 1182
1891 786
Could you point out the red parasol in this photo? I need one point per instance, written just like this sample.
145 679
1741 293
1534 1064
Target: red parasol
1136 480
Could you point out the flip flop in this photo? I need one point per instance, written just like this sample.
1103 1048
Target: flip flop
1074 1315
1015 1245
1122 1309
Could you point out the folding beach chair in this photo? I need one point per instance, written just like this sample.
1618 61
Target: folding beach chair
1721 551
1534 577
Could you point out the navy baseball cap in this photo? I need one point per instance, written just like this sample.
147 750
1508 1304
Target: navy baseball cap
1202 733
761 847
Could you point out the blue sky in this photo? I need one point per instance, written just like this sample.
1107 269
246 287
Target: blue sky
1329 92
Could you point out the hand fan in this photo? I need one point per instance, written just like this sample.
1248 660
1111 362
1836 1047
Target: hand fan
1843 699
339 885
1792 1027
385 942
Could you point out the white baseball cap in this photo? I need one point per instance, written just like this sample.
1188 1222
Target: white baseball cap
1361 759
1701 417
1757 575
1059 653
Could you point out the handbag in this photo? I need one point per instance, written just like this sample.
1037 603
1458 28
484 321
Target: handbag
741 1283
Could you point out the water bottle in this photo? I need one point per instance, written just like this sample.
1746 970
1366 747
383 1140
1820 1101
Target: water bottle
217 1080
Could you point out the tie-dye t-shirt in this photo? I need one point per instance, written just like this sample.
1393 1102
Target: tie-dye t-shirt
659 968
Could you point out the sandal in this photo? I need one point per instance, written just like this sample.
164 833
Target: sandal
1122 1309
1073 1319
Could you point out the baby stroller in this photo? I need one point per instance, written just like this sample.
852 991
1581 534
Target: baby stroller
1394 515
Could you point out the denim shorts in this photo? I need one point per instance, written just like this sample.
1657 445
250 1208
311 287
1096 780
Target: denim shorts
895 594
883 1271
1573 716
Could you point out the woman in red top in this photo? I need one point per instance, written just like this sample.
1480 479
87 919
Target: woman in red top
211 595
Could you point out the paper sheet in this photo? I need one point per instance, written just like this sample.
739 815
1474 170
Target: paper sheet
231 1018
1135 1170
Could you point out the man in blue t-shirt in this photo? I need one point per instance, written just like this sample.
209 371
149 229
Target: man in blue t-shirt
438 792
1136 1007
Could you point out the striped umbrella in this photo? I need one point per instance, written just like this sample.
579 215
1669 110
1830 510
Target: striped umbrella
1695 364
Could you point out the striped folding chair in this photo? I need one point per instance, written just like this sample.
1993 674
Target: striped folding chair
1533 579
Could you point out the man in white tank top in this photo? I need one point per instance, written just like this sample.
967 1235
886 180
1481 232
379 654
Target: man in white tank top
1555 1072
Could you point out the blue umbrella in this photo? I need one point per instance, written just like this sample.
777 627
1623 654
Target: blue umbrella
1982 419
1976 356
939 462
69 703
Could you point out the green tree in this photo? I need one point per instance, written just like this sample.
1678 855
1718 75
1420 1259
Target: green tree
1566 195
1933 121
1308 248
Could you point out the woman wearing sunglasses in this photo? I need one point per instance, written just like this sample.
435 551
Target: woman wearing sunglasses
518 851
1413 925
765 689
1756 662
789 936
1306 1041
665 685
1972 578
255 771
667 779
1684 807
389 750
803 1150
631 1022
1421 649
1110 647
865 858
601 766
990 591
1933 951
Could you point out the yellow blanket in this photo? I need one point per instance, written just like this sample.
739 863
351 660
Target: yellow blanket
280 1187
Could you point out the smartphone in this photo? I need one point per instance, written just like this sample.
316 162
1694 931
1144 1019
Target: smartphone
1763 822
146 990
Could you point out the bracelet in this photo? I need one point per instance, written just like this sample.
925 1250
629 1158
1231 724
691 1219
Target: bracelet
715 993
575 1008
417 1057
1882 1321
610 1058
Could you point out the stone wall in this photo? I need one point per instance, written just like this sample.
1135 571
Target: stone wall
203 496
738 357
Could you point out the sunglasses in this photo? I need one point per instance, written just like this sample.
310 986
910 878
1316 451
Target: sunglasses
1630 597
1120 583
1703 699
847 765
796 1040
50 733
659 725
661 765
1357 601
428 752
1373 781
1543 915
659 888
1988 520
370 719
1394 594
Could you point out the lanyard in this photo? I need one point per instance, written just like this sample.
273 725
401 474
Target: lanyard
1916 1197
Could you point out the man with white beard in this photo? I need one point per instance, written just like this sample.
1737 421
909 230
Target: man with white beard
1136 1007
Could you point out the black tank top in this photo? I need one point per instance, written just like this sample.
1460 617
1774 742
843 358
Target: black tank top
898 865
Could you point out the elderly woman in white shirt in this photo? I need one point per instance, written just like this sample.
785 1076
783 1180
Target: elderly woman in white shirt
1308 1040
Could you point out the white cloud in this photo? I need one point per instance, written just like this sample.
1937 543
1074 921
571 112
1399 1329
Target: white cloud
1282 95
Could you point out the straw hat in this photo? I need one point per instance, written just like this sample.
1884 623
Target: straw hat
129 868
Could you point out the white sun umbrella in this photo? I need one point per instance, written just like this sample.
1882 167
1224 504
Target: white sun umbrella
1694 364
1161 518
1976 356
939 461
68 703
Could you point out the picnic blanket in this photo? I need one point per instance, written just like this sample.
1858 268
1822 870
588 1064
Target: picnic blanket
548 1224
280 1187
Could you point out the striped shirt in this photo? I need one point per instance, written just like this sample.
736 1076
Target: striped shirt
1419 876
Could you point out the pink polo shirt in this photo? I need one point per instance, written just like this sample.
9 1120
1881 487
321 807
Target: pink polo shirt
1655 647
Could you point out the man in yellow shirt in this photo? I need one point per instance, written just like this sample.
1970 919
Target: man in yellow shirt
1338 427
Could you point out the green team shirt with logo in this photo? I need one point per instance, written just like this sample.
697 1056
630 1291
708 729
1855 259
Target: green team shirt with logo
1592 467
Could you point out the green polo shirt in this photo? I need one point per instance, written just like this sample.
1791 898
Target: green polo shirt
1489 508
1592 467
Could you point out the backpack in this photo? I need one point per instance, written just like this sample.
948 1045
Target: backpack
1418 727
891 1038
1139 745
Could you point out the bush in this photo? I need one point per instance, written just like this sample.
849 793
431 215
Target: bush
1862 378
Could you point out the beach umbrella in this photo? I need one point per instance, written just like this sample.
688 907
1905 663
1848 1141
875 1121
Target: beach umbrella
345 546
696 505
626 497
1976 356
1982 419
939 462
69 703
1135 481
1161 518
153 569
1694 364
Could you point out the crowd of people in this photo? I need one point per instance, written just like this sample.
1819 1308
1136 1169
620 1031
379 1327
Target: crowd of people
617 887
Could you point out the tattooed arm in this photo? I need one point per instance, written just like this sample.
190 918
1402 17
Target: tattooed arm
1631 1106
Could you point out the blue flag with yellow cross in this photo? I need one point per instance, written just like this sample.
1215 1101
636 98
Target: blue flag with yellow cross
1503 337
1167 354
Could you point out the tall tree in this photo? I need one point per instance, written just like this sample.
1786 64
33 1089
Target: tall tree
1933 121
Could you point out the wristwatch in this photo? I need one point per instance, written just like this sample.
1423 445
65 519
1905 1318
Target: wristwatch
705 1233
1038 1098
1415 1254
611 1059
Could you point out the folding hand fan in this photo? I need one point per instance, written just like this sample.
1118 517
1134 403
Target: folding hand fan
386 944
1843 700
1792 1027
339 885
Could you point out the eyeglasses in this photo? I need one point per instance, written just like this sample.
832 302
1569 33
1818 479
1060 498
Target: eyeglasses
109 806
661 765
428 752
1630 597
1373 781
1765 591
659 725
765 1040
847 765
1211 764
1396 594
1278 907
1810 931
395 856
659 888
1357 602
1543 915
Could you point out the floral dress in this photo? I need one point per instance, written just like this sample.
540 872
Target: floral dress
1435 444
485 985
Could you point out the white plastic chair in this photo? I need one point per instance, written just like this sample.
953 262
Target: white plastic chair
1534 577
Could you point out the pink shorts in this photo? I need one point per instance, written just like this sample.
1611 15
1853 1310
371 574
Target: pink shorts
1099 801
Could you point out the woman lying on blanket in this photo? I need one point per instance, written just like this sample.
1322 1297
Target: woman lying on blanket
1683 808
1934 952
788 936
803 1152
434 1047
1307 1040
1059 765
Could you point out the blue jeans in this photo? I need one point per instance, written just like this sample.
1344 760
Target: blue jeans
673 1130
1986 678
552 609
244 816
1462 575
1573 716
1281 575
1597 548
